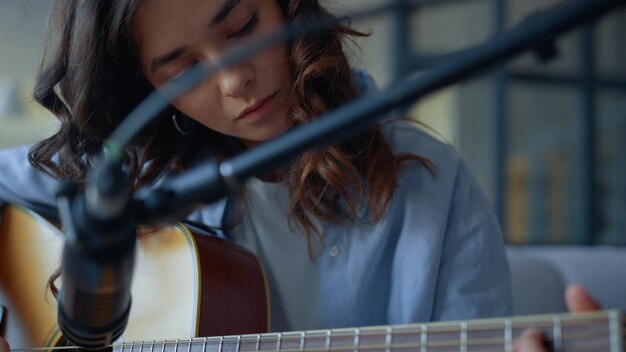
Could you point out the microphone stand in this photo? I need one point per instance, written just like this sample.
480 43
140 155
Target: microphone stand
210 181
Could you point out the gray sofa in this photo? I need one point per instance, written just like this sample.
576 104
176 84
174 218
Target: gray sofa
540 275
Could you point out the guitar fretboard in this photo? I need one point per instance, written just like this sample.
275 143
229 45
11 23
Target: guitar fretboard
600 331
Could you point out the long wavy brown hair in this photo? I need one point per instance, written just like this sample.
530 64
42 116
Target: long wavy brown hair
90 79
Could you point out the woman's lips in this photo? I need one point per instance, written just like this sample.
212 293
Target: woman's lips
259 110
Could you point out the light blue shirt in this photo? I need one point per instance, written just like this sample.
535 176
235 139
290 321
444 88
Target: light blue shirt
437 255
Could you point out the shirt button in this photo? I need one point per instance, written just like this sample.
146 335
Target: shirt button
334 251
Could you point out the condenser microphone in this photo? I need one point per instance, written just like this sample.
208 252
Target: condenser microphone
98 262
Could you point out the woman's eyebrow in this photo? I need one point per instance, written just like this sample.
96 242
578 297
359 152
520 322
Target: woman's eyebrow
161 60
224 11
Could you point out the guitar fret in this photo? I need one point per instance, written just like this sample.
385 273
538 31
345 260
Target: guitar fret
258 342
238 343
463 347
278 341
302 338
221 345
424 338
328 337
615 332
357 333
388 339
204 345
508 335
556 333
172 345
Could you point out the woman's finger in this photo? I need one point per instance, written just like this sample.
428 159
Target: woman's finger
532 340
579 300
4 346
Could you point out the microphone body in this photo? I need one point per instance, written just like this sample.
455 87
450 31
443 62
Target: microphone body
97 265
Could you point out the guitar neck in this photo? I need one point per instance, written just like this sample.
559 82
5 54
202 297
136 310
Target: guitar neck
597 331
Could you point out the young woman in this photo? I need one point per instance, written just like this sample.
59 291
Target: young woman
385 228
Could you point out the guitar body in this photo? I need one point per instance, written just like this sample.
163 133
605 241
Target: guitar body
184 285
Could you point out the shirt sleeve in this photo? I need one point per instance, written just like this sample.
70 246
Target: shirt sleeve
21 183
474 277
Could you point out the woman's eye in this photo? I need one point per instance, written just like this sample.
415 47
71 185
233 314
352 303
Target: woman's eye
247 28
183 71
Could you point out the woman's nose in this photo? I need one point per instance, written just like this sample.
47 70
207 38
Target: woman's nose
236 81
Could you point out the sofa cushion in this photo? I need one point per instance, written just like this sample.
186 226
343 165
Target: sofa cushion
540 275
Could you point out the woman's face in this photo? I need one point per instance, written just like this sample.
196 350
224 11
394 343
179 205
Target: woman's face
248 101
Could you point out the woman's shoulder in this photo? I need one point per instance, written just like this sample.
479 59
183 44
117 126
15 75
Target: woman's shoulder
408 136
14 163
21 183
13 152
363 81
448 184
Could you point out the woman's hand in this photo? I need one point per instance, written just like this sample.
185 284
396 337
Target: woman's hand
577 299
4 346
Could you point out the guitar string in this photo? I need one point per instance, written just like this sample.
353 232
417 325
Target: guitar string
570 321
484 344
585 344
382 346
437 344
319 338
592 345
571 337
193 344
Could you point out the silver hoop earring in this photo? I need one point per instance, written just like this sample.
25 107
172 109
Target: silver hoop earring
177 125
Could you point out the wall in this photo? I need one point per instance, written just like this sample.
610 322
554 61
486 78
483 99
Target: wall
22 26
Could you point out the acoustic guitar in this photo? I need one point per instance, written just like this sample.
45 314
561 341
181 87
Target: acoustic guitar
184 285
187 285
